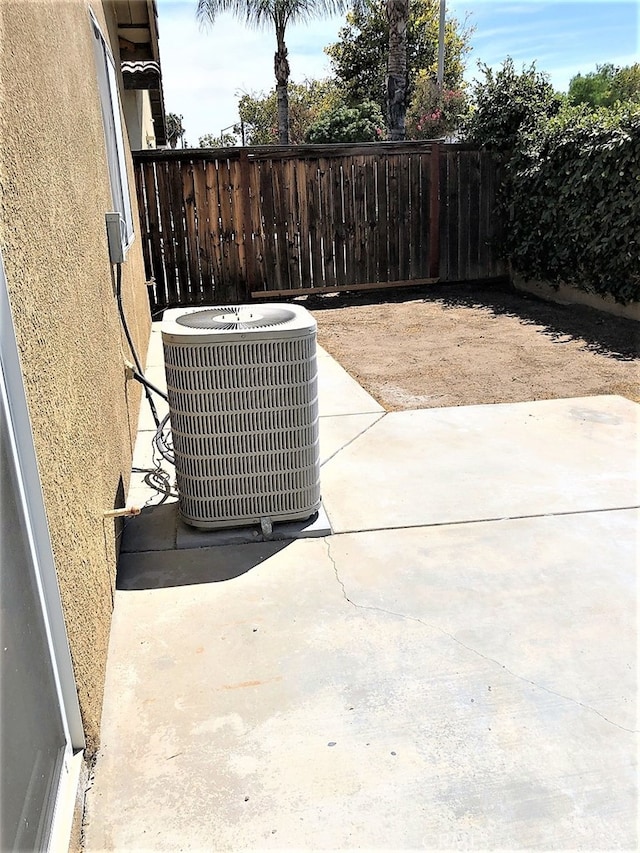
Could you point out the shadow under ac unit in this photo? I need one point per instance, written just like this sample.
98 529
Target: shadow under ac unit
243 403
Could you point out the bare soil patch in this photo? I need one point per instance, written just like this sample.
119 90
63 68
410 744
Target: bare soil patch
456 345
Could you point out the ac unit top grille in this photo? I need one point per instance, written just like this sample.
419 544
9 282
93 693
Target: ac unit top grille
224 322
237 317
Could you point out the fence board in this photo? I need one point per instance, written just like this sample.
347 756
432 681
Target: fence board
203 235
337 189
392 203
404 234
223 225
325 223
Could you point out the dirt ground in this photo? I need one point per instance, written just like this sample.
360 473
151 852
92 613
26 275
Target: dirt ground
456 345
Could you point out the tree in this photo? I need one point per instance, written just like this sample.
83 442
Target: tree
359 59
308 101
363 123
276 13
225 140
397 20
175 130
432 113
507 104
605 86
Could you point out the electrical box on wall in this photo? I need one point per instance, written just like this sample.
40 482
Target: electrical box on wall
116 237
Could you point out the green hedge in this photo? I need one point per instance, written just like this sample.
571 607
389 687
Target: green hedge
572 201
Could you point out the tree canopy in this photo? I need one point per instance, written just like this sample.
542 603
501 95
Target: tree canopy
606 86
359 58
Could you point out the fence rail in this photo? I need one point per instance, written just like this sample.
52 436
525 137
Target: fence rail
226 225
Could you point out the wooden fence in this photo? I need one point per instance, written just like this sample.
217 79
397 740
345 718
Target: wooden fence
226 225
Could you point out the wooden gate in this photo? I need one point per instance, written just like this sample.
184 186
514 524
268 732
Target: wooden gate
227 225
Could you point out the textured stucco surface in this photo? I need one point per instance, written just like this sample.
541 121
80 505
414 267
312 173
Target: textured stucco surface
55 192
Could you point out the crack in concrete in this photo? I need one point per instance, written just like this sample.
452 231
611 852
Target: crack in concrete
468 648
355 438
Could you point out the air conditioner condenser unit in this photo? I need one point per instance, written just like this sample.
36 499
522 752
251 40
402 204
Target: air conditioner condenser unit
243 404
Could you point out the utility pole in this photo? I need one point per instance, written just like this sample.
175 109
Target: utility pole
440 76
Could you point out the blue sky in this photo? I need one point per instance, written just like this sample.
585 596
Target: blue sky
205 72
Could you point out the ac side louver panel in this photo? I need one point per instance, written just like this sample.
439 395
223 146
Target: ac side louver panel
243 403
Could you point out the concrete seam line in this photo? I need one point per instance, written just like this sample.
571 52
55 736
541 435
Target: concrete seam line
486 520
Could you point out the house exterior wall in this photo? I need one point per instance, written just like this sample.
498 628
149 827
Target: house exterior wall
54 193
137 113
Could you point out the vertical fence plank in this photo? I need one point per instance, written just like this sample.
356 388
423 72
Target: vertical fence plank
301 169
415 231
392 190
371 224
474 270
215 237
382 199
314 222
167 234
359 224
434 212
193 251
293 232
404 230
271 268
203 235
339 220
176 203
256 222
445 213
157 261
326 222
280 224
453 273
349 218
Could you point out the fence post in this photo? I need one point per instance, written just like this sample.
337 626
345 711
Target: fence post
434 212
247 225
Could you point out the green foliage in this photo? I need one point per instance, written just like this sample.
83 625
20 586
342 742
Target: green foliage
175 130
432 115
359 58
508 103
572 188
363 123
307 102
606 86
225 140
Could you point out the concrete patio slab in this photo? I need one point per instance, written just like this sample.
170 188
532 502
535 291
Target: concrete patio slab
450 683
467 687
338 392
440 466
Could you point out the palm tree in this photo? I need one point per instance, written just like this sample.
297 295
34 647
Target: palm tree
397 17
276 13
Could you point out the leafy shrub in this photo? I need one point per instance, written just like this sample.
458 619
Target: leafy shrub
363 123
573 195
508 103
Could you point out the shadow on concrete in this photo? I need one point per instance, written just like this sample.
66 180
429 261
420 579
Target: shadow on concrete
164 569
602 333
